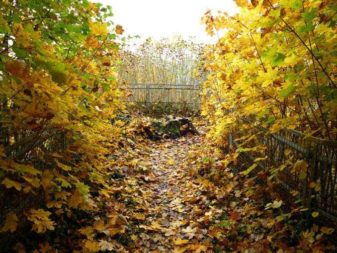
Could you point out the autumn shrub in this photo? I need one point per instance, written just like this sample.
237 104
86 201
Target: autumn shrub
58 94
273 71
274 66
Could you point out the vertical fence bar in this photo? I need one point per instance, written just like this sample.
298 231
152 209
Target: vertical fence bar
147 96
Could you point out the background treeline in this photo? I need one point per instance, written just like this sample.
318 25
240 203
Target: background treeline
165 61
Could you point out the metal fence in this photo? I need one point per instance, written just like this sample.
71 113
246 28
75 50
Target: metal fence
316 182
179 96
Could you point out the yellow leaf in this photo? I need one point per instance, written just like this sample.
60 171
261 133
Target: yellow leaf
197 248
28 169
156 226
134 238
315 214
92 246
139 216
170 162
87 231
179 249
76 199
115 230
99 225
300 165
98 29
40 219
242 3
34 181
327 231
8 183
63 166
11 223
47 179
180 241
276 204
106 246
92 42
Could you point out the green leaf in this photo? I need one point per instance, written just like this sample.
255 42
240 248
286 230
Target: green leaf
16 18
278 58
309 15
225 224
205 159
306 28
83 189
296 5
275 13
20 53
2 174
106 86
287 91
291 77
270 120
57 70
249 170
4 28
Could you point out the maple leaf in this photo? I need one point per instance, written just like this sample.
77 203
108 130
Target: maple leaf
11 223
119 29
180 249
155 225
92 246
235 216
98 29
41 220
189 231
9 183
139 216
45 248
99 225
327 230
180 241
105 245
28 169
198 248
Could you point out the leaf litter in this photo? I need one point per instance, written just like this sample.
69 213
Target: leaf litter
192 201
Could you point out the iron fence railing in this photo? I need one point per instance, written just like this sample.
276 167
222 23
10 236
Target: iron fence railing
187 96
316 182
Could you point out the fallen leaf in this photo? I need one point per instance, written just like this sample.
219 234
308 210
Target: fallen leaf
180 241
327 230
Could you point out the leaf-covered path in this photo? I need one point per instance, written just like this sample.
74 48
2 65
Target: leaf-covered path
175 203
188 196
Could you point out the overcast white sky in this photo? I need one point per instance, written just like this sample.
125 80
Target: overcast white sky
165 18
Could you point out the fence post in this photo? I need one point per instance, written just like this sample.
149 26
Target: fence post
147 96
313 151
